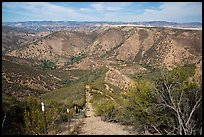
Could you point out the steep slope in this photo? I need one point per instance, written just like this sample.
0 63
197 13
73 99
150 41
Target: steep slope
137 43
106 41
115 77
13 38
54 46
147 46
91 63
22 80
174 47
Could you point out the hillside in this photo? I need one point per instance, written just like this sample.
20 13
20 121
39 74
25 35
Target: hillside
154 47
58 45
137 76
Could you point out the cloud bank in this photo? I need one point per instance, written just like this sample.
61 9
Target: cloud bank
103 11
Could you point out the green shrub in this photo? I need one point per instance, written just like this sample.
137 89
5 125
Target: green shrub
47 64
12 116
33 116
64 117
136 102
75 59
177 100
105 108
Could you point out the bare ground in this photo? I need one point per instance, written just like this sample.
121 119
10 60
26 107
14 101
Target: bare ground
93 125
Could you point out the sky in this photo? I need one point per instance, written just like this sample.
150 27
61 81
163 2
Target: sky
102 11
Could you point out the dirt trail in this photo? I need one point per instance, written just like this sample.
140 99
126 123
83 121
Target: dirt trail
93 125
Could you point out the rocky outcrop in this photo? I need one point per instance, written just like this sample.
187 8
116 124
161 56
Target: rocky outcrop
115 77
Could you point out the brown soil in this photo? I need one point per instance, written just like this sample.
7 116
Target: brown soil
93 125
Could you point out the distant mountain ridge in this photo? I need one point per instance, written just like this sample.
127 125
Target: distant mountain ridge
175 24
64 24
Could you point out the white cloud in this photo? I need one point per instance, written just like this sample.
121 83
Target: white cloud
45 10
85 9
109 6
105 11
172 11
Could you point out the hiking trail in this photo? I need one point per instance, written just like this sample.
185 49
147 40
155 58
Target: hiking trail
93 125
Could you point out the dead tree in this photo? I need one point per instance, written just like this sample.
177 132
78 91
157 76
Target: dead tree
174 100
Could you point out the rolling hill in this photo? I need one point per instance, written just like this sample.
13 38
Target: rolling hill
56 66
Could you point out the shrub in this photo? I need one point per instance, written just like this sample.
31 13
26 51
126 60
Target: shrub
75 59
64 117
105 108
33 116
179 101
136 103
170 104
47 64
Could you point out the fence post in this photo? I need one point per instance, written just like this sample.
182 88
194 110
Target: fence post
68 114
44 121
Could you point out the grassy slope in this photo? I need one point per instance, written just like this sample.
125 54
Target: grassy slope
70 93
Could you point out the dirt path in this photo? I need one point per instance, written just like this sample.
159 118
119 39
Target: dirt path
92 125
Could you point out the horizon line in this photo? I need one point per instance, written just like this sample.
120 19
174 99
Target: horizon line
95 21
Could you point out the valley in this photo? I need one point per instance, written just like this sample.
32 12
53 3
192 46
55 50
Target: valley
146 78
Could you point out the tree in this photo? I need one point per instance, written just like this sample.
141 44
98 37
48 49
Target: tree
184 100
137 102
47 64
170 104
